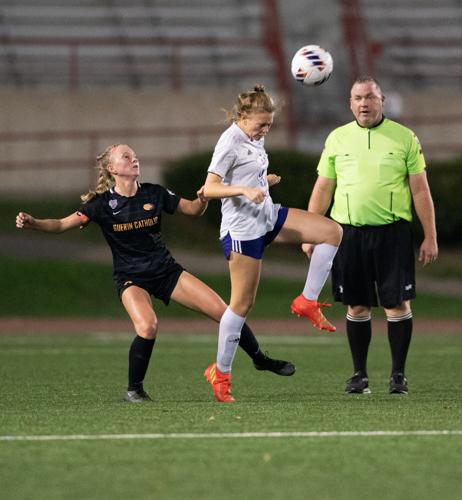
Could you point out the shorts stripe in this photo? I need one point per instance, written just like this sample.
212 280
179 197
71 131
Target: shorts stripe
237 247
254 248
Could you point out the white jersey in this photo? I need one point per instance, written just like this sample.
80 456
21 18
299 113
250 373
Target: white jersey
240 161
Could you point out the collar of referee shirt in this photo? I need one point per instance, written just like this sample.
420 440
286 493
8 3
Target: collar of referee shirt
373 126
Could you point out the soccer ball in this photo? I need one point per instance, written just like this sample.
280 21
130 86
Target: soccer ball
312 65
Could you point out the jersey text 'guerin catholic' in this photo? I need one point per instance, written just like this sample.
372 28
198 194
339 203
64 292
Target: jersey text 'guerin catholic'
132 227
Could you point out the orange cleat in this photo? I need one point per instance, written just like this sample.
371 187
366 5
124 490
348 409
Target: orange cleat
311 309
220 382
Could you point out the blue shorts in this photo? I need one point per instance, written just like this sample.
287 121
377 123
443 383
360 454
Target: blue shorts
254 248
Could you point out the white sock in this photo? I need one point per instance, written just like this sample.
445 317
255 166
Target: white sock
320 266
228 339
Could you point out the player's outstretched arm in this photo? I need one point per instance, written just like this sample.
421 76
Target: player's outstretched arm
195 207
27 221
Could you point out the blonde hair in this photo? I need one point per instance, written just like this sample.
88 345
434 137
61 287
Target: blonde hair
105 179
254 101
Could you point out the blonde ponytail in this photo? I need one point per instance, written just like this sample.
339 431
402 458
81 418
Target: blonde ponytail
105 179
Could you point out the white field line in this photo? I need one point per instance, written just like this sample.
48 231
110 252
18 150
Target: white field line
234 435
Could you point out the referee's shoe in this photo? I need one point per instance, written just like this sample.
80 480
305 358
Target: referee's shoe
137 396
358 384
398 383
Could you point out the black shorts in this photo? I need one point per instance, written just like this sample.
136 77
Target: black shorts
375 261
159 285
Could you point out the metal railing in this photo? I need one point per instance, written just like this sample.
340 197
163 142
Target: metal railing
426 54
190 137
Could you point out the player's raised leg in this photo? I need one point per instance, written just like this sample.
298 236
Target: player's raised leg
306 227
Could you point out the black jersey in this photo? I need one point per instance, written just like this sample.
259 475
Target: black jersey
132 227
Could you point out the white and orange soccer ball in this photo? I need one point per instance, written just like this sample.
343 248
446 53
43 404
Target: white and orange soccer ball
312 65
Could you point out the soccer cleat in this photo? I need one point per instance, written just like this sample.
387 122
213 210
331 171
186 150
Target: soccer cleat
277 366
358 384
398 384
220 382
138 396
311 309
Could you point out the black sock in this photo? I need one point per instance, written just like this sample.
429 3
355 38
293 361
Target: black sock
249 343
359 337
138 361
399 338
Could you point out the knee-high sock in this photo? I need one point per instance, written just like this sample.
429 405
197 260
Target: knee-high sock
320 266
138 361
399 338
359 332
249 343
228 339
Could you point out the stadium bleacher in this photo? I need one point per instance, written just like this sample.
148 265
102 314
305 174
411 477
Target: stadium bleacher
173 62
131 44
417 43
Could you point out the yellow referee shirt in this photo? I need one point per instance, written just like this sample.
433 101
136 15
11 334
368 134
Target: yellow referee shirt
371 167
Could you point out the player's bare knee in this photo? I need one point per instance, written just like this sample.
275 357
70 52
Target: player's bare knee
330 233
216 310
243 307
147 329
335 234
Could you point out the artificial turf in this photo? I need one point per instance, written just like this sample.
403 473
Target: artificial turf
72 386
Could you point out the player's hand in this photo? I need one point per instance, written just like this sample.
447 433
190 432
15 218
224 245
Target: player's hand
254 194
200 194
24 221
308 249
428 251
273 179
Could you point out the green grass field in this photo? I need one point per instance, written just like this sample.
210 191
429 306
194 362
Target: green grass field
72 386
284 438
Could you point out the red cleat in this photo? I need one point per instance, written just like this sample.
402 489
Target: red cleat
311 309
220 382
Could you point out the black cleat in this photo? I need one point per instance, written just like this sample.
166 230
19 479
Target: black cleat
138 396
358 384
277 366
398 384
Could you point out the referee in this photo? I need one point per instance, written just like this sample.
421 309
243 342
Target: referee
374 170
